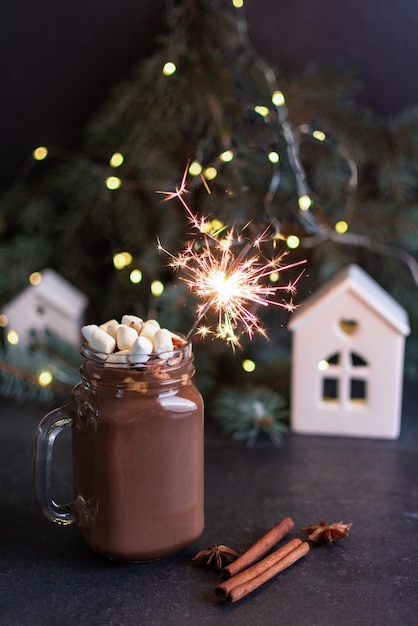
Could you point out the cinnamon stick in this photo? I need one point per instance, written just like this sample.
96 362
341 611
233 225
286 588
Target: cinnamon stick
251 579
259 548
225 587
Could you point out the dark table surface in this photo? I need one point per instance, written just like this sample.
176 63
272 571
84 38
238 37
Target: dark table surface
49 578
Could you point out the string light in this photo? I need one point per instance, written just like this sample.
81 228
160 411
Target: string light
116 159
135 276
210 173
195 168
169 68
113 182
216 226
262 110
157 288
40 153
323 365
238 4
45 378
304 202
319 135
341 227
289 135
292 242
12 337
274 157
122 260
248 365
226 156
35 278
278 98
274 277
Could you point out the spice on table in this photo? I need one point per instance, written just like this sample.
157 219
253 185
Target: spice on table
248 580
327 533
215 556
259 548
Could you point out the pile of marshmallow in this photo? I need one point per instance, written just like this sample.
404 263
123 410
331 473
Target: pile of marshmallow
130 342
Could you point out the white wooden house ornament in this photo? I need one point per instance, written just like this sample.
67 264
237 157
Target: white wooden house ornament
347 359
53 303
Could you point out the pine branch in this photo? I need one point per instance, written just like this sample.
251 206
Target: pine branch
61 214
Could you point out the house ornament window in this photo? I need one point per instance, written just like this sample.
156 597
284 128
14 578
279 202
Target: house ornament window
343 378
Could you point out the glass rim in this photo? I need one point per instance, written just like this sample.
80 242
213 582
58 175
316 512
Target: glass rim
136 361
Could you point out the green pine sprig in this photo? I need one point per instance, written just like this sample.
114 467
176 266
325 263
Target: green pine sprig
245 413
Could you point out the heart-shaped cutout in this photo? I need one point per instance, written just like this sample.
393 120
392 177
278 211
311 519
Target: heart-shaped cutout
349 327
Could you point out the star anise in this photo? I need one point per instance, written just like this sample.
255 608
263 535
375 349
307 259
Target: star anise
216 557
327 533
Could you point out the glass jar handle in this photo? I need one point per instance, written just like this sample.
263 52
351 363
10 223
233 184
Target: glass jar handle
50 426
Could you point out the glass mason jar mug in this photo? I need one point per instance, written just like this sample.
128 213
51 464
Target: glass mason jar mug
137 447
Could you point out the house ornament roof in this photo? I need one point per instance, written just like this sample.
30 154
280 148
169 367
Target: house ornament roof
353 279
54 290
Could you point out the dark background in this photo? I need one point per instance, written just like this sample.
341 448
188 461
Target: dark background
58 59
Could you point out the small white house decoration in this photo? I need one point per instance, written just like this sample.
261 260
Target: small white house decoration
347 359
53 303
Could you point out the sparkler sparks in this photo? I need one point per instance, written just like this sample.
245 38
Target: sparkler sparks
231 284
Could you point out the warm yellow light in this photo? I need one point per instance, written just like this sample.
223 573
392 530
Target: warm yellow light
248 365
278 98
12 337
292 241
3 321
45 378
262 110
157 288
195 168
226 156
323 365
238 4
169 68
40 153
121 260
113 182
135 276
341 227
274 277
35 278
319 135
210 173
304 203
213 227
216 225
274 157
116 159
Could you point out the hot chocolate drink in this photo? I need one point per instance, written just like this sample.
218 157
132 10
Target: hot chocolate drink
137 426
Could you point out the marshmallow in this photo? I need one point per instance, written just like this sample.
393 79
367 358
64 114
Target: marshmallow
101 341
87 331
117 359
153 323
110 327
125 336
140 350
163 343
149 329
134 321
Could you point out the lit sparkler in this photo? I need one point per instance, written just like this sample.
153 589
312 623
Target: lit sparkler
231 284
